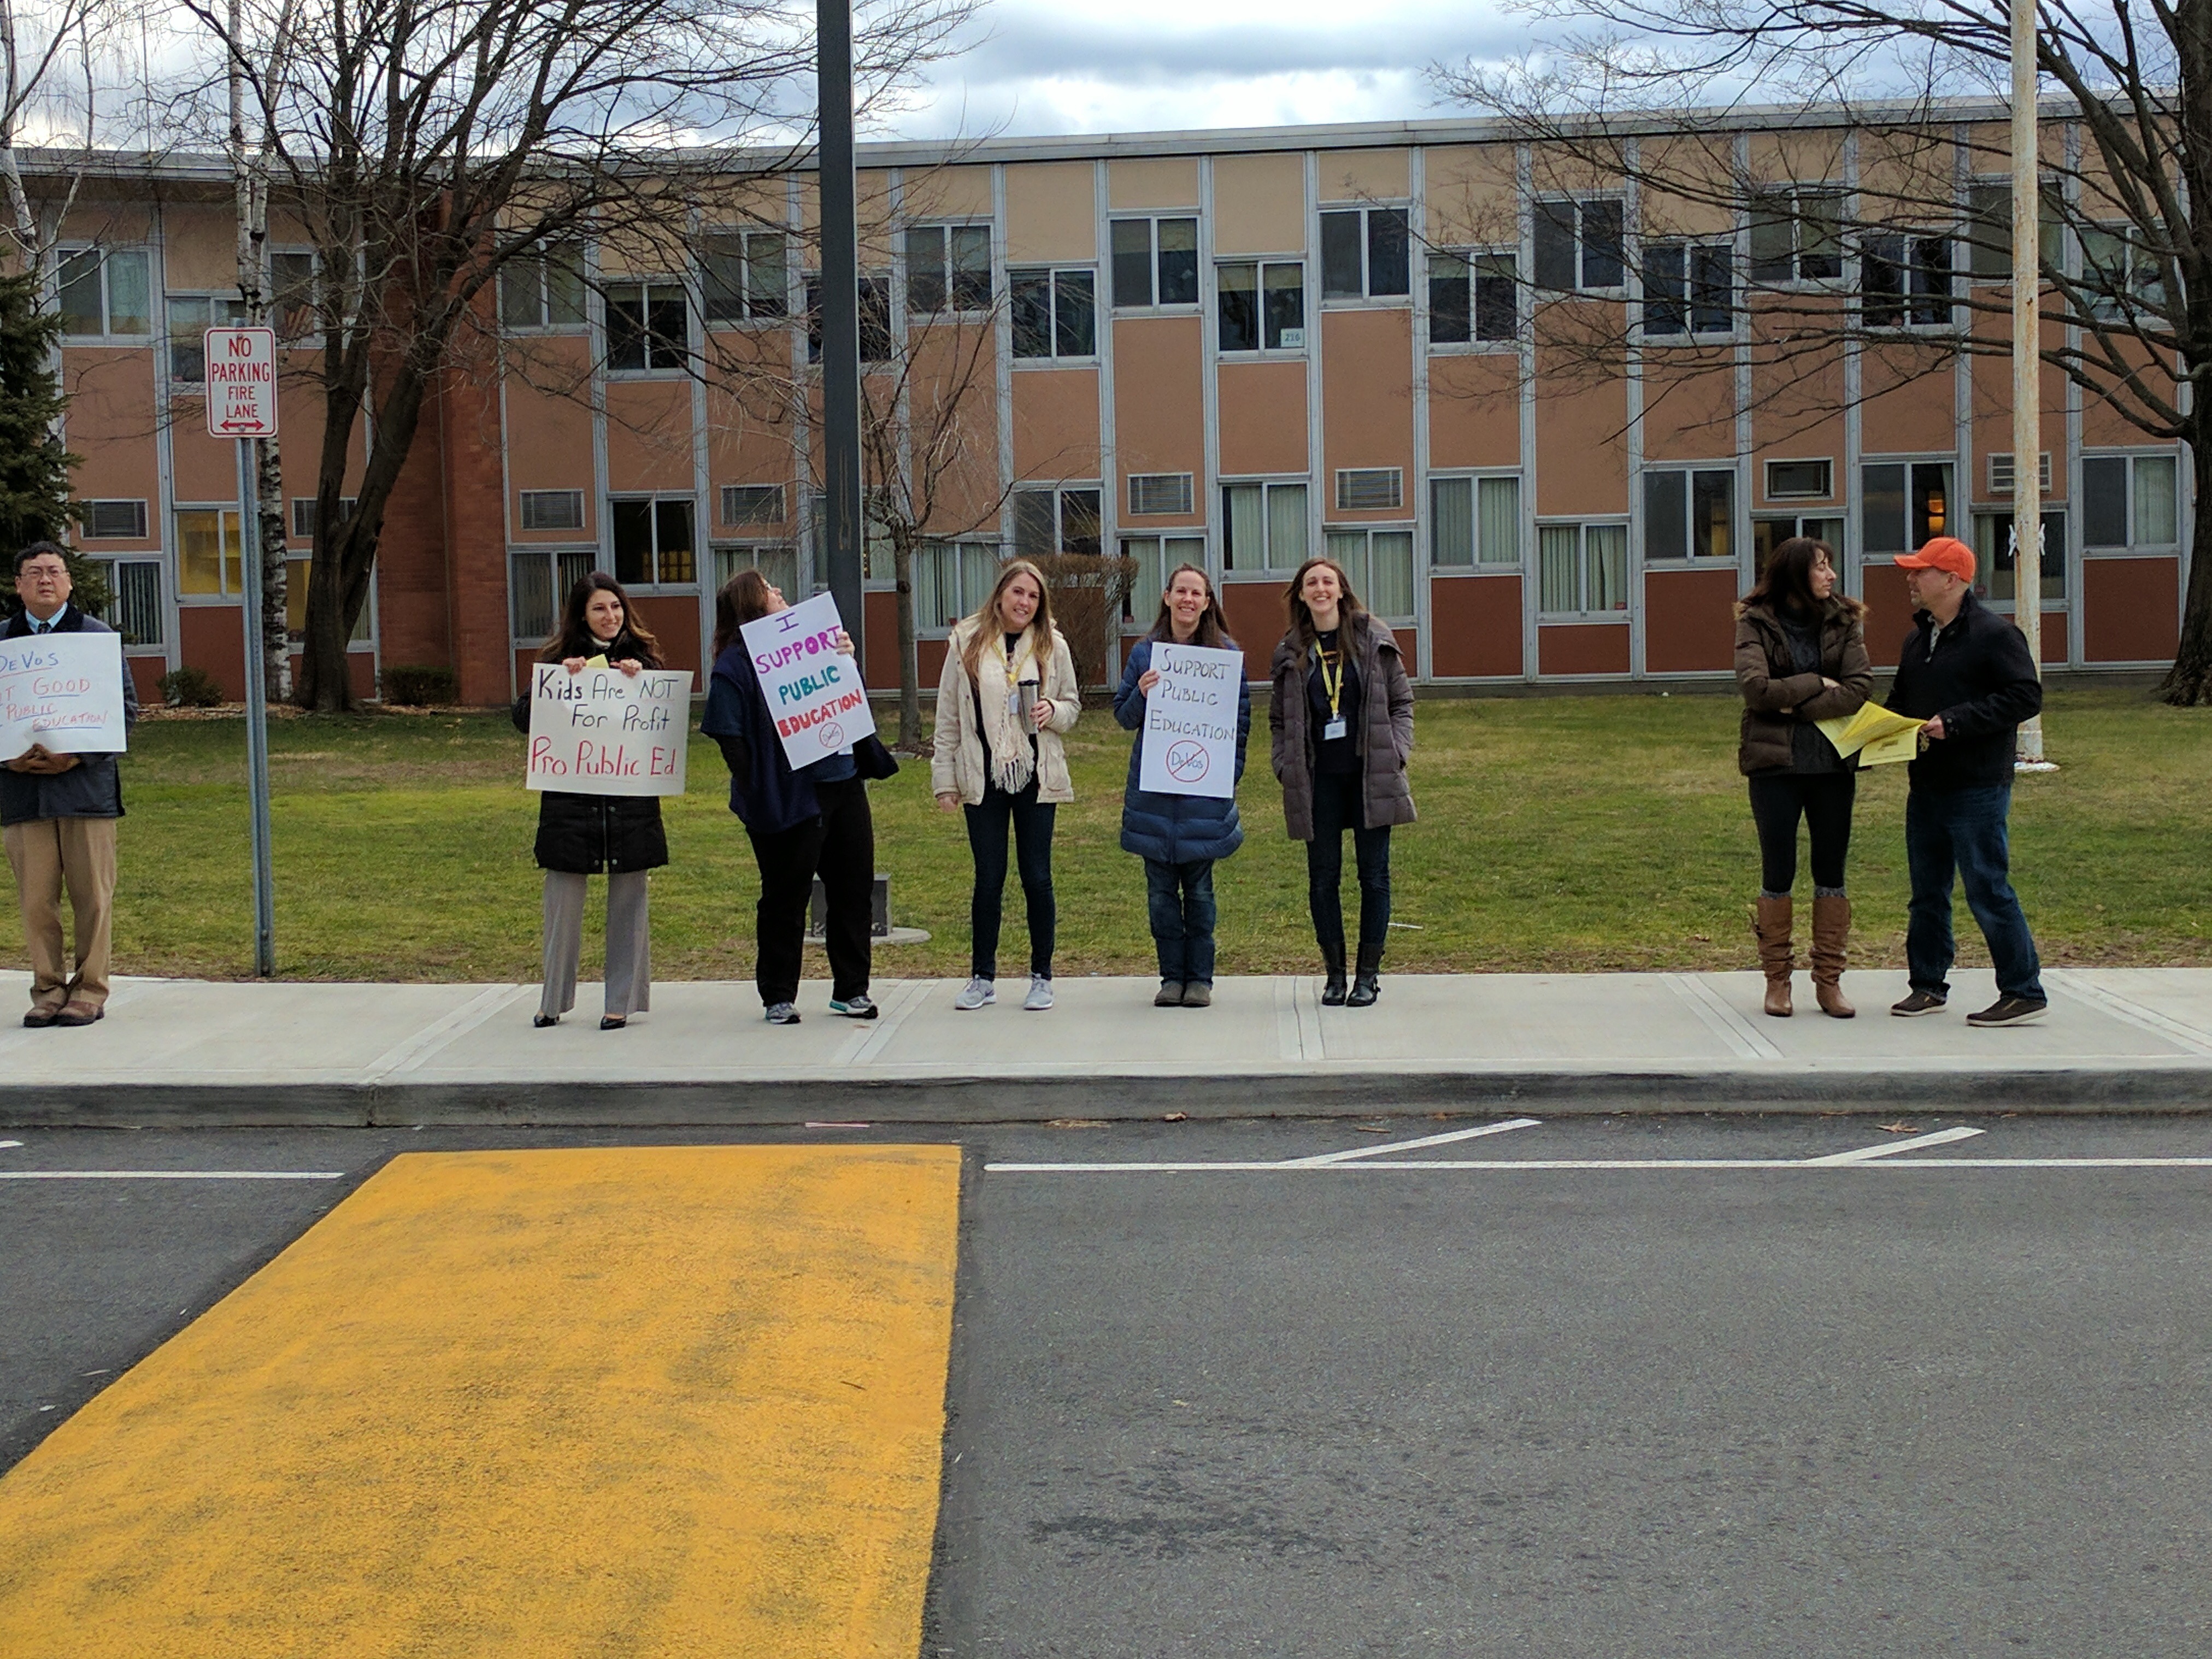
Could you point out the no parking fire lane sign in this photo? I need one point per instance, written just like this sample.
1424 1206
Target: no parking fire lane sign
241 382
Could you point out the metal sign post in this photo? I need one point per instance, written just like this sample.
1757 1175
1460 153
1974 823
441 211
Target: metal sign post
241 404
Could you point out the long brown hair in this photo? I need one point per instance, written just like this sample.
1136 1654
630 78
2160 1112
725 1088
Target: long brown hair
1786 584
987 620
576 639
743 599
1347 608
1213 625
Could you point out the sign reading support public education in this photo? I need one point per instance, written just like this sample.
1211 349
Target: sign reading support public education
813 690
1190 722
63 691
604 733
241 382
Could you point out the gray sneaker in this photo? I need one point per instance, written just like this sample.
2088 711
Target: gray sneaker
859 1007
980 993
782 1013
1040 996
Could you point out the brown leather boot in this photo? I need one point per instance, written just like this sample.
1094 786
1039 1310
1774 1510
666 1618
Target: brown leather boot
1832 930
1772 927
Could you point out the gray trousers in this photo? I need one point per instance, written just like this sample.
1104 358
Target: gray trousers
630 968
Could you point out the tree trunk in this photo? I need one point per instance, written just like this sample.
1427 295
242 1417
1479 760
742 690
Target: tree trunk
276 574
2188 685
909 736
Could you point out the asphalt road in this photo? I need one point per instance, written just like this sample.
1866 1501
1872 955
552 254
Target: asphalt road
1412 1412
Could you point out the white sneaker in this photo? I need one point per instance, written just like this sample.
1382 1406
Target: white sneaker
980 993
1040 996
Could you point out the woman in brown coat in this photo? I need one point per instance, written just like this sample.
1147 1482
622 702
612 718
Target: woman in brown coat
1342 722
1801 657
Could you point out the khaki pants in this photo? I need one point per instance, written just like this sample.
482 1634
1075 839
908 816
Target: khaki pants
47 856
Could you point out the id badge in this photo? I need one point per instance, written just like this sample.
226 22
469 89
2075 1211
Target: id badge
1333 729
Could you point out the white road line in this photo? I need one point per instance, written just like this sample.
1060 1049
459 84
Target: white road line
11 1143
1868 1154
172 1174
1389 1146
1504 1165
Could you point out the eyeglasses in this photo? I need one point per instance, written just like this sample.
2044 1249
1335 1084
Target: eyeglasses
44 573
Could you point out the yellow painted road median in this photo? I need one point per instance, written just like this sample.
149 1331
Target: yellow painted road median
666 1400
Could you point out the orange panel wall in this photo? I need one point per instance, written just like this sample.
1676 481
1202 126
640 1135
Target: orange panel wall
1582 649
1367 407
1476 624
649 435
1158 399
1262 417
1056 423
1474 411
2134 610
1582 458
1689 623
1889 613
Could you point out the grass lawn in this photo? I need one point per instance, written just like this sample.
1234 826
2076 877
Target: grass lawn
1559 833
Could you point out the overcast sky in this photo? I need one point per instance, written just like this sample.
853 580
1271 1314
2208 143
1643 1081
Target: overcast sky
1046 66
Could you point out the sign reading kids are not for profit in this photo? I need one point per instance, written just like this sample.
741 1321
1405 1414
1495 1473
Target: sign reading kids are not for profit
63 692
1190 722
813 689
602 731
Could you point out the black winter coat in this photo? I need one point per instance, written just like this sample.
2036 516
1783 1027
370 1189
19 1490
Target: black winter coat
587 835
1979 678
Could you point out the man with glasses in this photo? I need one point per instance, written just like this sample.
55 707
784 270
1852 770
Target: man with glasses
58 816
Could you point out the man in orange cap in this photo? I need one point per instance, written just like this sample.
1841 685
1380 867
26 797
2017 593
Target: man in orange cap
1965 673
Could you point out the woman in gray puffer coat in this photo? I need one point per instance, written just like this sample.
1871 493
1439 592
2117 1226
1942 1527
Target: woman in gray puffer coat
1801 657
1180 837
1341 717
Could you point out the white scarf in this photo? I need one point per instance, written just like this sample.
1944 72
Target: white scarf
1011 757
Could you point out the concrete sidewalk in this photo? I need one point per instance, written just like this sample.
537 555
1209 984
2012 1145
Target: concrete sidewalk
214 1054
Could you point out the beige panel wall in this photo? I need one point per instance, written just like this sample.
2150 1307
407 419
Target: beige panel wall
1474 410
1165 181
951 192
1798 157
548 434
1056 423
1259 204
1473 196
113 223
1051 212
199 249
1262 418
1689 409
1907 408
648 436
1582 455
110 424
1360 175
1367 415
1158 424
1702 202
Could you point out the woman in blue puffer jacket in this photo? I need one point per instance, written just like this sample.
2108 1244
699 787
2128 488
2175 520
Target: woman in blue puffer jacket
1180 836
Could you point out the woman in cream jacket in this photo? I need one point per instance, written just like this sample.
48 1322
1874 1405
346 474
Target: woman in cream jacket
1007 693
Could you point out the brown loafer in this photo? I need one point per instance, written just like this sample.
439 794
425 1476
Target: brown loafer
80 1013
39 1018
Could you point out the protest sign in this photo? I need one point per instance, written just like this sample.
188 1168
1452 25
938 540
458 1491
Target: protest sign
1190 722
604 733
814 692
63 691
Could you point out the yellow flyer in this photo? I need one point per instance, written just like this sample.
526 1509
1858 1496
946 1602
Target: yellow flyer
1877 737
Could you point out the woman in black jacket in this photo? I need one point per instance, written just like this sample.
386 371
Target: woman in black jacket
580 835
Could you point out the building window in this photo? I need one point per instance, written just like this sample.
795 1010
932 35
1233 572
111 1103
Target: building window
134 599
1049 521
1055 312
1689 514
1474 521
948 268
951 581
1582 568
209 559
776 560
875 299
304 512
1689 287
744 504
2122 277
292 303
1380 564
745 276
1996 574
1158 492
1155 263
1901 505
2129 504
653 541
1369 489
541 288
1365 253
1262 304
115 521
1579 247
1989 252
1801 480
1796 235
1263 527
648 326
1767 534
539 581
1904 281
1473 297
364 637
191 316
1156 556
102 293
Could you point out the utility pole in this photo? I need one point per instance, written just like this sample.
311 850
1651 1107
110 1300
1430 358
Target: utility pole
2027 364
843 527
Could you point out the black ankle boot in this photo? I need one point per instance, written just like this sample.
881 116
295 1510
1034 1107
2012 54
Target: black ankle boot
1367 983
1332 961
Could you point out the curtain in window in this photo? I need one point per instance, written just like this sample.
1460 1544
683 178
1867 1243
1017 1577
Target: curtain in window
1349 549
2154 508
1607 546
1151 580
936 584
1286 526
1451 521
1244 529
1390 569
1558 565
1498 510
531 586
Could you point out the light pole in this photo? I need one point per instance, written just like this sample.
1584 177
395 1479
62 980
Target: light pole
2027 364
843 526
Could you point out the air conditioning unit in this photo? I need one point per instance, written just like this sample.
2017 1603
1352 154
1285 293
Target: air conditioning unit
1370 490
552 509
114 521
1158 492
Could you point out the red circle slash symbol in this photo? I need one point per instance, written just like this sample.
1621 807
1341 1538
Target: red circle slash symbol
833 737
1187 761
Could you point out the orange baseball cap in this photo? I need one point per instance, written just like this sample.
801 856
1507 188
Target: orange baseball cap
1941 553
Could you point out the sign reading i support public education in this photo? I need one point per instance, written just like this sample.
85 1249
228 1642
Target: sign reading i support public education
241 382
813 690
63 691
1190 722
604 733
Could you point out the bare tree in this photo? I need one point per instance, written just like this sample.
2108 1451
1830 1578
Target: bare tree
48 50
1643 90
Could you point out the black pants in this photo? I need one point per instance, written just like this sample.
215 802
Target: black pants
987 839
840 845
1337 807
1824 800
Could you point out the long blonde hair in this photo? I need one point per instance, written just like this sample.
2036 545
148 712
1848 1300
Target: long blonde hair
986 621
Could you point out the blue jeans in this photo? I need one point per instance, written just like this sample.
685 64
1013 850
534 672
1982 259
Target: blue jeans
987 839
1181 899
1337 807
1965 829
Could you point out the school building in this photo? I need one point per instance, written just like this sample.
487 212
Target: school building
1233 347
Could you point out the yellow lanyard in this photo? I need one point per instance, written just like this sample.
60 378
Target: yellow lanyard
1333 685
